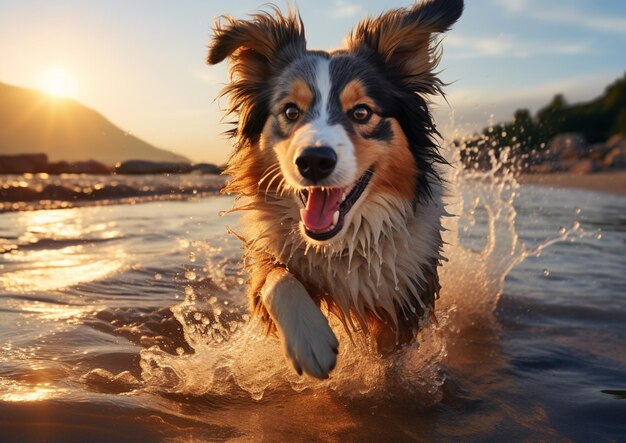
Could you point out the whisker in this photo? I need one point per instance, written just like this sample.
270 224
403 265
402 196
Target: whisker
276 175
272 170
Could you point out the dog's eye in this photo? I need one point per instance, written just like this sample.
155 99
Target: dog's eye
292 112
361 113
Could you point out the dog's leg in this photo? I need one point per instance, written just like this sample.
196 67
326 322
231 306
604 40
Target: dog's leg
309 342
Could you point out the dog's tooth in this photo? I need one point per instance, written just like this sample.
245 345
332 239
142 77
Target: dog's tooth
332 227
335 217
343 196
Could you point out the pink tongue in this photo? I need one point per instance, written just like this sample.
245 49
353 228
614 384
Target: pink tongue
320 207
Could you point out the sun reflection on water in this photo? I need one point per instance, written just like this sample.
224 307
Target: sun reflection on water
12 391
60 264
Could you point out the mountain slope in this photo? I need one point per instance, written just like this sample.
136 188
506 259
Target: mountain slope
31 121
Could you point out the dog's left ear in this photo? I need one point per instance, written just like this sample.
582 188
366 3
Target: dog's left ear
403 39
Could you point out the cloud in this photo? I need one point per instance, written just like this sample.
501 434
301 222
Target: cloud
513 6
565 15
599 23
344 9
464 46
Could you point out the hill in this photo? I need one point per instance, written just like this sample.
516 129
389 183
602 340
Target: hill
64 129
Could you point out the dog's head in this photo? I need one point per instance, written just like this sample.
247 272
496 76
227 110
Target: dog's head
331 128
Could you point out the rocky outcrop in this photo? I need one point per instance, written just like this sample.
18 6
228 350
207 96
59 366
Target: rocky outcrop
22 163
206 168
140 167
569 146
571 153
38 163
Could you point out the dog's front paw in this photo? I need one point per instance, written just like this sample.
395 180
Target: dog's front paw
311 346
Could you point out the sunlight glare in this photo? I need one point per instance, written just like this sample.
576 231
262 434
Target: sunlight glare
58 82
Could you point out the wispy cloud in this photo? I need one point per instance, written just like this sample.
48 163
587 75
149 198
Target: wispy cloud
344 9
463 47
566 15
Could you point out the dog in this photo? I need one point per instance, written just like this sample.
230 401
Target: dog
337 170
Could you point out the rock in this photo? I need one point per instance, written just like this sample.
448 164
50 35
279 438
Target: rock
22 163
87 167
35 163
616 140
583 167
542 168
137 167
568 146
598 151
90 167
57 168
206 168
616 158
564 165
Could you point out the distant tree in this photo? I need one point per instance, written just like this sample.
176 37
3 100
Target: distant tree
620 123
551 117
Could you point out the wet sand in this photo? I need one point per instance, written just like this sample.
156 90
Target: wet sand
614 181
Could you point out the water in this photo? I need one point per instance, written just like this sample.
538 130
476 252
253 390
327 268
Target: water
128 322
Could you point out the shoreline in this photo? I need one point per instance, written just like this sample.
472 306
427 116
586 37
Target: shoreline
613 182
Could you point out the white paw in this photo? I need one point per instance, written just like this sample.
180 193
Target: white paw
310 344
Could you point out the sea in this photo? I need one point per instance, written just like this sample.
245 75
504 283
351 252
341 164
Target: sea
126 320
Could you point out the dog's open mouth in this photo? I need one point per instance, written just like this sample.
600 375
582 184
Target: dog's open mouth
325 208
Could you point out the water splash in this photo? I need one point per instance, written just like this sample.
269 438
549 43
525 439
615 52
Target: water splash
230 355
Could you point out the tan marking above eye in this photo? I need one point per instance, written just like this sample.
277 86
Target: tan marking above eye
299 94
353 94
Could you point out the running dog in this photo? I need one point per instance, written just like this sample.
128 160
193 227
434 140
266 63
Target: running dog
337 169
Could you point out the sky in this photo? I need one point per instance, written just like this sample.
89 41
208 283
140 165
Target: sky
140 63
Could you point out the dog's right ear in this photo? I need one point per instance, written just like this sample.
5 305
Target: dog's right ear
256 48
264 36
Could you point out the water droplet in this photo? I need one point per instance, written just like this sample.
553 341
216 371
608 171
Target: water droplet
197 316
192 257
576 225
546 272
180 351
188 290
598 235
158 276
190 275
577 211
562 230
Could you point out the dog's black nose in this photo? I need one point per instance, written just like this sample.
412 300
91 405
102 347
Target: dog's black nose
317 163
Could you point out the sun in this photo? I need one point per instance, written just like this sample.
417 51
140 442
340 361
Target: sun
58 82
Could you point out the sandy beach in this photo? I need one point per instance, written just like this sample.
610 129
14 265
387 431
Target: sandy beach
614 181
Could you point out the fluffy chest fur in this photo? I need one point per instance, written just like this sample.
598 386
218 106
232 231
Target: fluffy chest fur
385 265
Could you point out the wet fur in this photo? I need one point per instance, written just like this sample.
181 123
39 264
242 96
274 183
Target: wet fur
380 275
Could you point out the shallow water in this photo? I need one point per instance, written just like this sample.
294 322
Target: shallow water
128 322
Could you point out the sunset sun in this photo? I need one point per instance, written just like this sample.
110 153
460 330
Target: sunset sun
58 82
